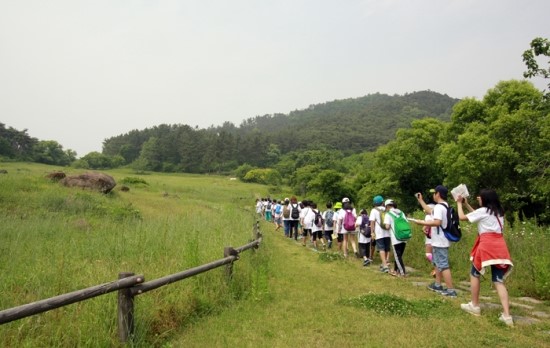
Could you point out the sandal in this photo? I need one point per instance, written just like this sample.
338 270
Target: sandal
393 273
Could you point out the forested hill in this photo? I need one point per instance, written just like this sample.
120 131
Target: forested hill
350 126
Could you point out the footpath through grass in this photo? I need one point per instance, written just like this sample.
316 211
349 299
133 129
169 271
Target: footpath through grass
314 300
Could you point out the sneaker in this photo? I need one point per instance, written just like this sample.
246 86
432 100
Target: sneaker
329 244
448 293
470 308
506 320
385 270
366 262
436 288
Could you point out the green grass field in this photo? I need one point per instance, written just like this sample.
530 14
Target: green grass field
55 240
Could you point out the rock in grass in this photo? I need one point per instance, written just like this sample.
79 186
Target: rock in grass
96 181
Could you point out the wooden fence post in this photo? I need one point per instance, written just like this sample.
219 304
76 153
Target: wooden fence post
228 251
125 311
256 230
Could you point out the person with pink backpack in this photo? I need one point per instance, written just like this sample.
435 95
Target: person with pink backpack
346 226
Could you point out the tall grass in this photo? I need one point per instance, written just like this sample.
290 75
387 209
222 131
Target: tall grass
55 240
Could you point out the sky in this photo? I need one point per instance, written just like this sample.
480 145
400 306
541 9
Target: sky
82 71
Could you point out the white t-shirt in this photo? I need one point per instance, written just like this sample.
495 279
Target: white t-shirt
341 216
306 216
376 216
259 207
388 220
362 239
439 240
334 218
486 222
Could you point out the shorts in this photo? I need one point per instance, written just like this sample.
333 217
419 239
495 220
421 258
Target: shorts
364 250
440 257
317 235
306 231
340 237
383 244
497 273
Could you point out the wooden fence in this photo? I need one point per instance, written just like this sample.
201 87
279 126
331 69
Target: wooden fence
128 286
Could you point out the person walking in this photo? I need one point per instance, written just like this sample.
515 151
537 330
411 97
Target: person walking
306 221
349 233
328 217
294 218
489 250
397 245
339 235
365 236
317 227
440 244
428 238
286 217
278 215
381 234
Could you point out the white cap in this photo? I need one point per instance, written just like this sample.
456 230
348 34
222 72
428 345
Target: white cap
389 202
345 200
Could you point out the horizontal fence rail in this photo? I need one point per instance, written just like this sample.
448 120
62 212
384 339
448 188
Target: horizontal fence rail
41 306
157 283
128 286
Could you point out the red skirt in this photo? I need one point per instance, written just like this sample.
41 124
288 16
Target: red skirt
490 249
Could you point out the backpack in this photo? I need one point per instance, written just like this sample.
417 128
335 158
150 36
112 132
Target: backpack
349 221
364 228
452 232
318 220
401 227
268 205
278 209
294 213
286 212
329 218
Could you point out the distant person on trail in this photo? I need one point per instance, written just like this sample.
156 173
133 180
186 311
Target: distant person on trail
381 234
397 245
268 210
317 231
490 249
365 235
259 207
306 220
278 215
339 235
349 234
286 217
440 244
428 238
294 218
329 217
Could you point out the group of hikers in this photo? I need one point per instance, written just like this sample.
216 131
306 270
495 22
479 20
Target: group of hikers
386 229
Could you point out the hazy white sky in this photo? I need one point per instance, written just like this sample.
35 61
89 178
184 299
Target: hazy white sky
79 72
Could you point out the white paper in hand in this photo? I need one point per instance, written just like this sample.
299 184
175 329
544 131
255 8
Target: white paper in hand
461 190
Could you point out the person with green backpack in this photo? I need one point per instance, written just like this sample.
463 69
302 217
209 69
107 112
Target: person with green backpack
400 232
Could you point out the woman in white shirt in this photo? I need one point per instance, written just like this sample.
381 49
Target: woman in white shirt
490 250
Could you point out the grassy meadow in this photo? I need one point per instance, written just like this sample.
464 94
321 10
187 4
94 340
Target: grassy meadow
55 240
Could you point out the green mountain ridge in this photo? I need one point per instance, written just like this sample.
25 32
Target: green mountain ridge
350 126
